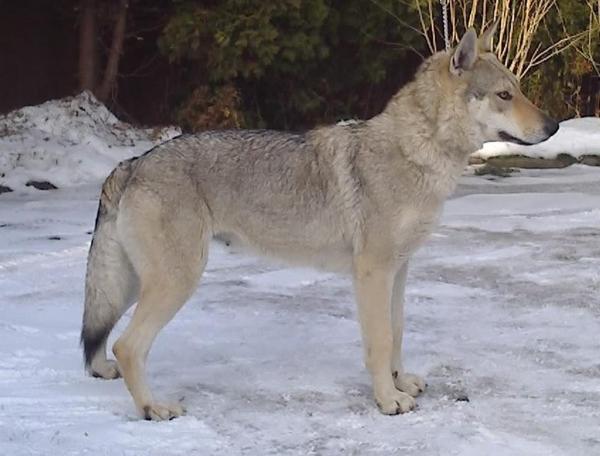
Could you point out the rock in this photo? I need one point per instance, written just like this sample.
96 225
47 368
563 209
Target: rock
590 160
521 161
503 164
5 189
495 171
41 185
476 161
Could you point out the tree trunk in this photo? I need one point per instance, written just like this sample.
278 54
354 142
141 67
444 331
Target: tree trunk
87 46
116 48
590 95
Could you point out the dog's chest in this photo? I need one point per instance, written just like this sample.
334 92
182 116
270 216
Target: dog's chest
411 227
438 185
418 217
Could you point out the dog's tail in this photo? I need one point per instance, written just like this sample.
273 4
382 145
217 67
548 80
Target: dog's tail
110 282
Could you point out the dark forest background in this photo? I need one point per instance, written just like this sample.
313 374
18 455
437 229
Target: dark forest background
287 64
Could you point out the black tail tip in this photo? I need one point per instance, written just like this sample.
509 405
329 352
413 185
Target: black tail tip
92 342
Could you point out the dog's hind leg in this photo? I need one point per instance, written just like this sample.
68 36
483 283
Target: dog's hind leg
409 383
168 245
110 289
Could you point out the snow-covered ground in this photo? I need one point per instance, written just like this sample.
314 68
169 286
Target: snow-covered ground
503 309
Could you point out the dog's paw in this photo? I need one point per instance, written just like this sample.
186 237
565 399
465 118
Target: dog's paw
107 369
395 403
159 412
409 383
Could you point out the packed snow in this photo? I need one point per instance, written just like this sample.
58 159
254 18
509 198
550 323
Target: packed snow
575 137
503 317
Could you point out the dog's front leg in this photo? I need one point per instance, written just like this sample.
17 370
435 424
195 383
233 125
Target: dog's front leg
409 383
373 283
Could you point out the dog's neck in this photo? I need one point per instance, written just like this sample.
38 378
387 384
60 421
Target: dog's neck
430 113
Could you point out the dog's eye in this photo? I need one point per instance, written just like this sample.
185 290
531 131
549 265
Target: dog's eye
504 95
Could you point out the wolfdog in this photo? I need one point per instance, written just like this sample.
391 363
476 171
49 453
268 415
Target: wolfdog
359 198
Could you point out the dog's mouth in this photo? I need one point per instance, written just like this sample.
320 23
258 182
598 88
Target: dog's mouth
504 136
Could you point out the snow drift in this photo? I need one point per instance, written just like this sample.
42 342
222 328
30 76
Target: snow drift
67 142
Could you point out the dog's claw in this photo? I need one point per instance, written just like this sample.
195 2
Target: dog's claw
158 412
107 369
410 384
397 403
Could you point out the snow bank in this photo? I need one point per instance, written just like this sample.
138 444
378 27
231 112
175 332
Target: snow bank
68 142
576 137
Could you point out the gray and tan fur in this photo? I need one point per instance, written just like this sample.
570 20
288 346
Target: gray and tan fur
359 198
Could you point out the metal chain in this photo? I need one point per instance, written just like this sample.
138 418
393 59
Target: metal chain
445 19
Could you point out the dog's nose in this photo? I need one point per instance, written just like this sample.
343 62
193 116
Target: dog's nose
550 127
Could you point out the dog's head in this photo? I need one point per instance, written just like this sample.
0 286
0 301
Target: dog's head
497 108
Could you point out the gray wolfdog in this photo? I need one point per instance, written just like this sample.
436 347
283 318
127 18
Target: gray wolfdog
358 197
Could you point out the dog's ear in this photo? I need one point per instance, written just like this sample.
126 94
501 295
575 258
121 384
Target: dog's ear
485 40
465 53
